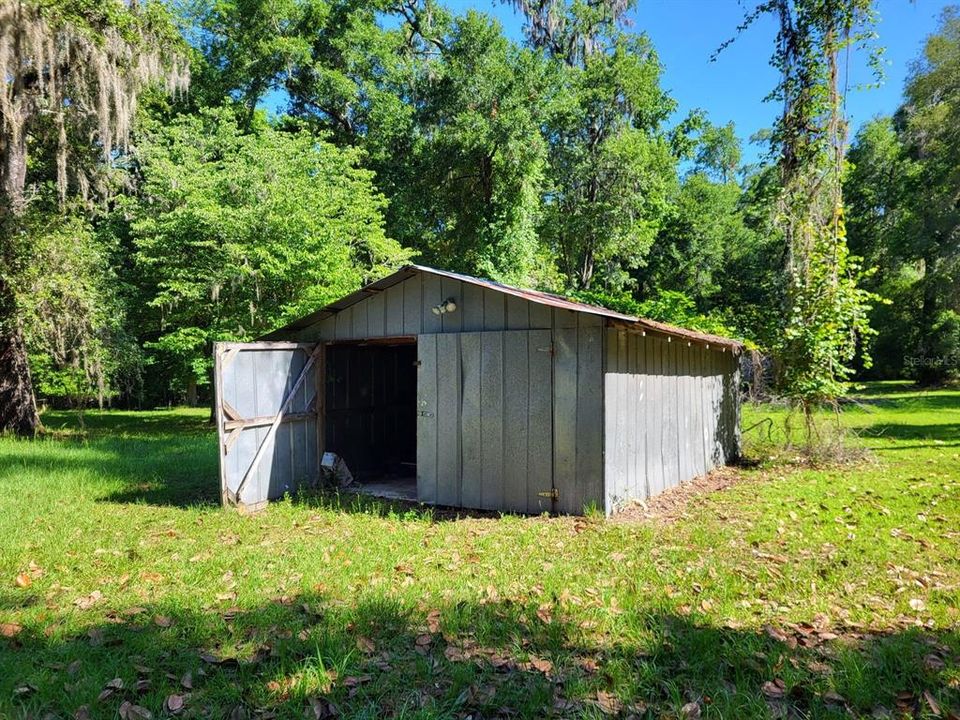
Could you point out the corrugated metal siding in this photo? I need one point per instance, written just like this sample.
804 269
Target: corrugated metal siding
670 414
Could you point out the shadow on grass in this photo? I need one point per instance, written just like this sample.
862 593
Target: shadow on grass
171 468
933 434
376 658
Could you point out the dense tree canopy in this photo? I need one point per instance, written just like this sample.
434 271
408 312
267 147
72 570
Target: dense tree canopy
401 129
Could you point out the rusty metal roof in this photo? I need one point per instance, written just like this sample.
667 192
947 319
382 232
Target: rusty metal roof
627 322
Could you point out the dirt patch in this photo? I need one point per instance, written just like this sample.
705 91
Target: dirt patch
672 504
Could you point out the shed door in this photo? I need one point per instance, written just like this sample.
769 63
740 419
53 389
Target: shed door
485 420
267 419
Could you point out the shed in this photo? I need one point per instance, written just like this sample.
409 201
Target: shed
459 391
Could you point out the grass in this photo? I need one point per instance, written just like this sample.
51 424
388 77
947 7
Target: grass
796 592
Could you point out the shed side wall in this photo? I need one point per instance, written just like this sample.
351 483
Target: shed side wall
671 413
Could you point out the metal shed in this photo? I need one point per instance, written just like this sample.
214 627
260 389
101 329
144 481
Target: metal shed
459 391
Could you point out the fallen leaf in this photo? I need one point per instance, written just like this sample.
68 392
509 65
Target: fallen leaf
162 621
608 703
24 690
85 603
931 703
774 689
544 666
455 654
81 713
424 640
917 604
365 645
433 621
589 665
23 580
691 711
354 680
187 680
110 688
545 613
322 709
174 703
10 630
129 711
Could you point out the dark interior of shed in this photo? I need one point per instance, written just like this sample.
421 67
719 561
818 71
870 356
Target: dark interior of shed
371 418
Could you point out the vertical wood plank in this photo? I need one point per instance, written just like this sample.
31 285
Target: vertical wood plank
470 421
565 418
610 357
540 421
590 414
452 322
541 316
360 324
394 309
448 420
516 378
611 473
494 310
432 296
491 420
518 313
427 419
472 307
683 397
344 319
376 315
413 305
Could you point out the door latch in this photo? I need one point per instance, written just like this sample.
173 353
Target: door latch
424 413
552 493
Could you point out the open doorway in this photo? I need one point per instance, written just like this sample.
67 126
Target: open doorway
371 413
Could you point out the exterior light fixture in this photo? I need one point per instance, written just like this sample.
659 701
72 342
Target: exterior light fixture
447 306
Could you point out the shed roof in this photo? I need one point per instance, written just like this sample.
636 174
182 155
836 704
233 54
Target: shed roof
627 322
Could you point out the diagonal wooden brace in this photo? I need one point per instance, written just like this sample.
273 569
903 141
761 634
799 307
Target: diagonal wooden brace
234 497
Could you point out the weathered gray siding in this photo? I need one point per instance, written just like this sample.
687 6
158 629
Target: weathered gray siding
502 418
253 382
406 309
670 413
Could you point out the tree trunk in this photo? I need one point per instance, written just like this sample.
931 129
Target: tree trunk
18 409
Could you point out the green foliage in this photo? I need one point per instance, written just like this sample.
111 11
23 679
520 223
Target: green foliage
74 319
904 216
825 313
668 306
236 233
611 167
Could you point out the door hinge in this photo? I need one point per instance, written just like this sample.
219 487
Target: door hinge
552 493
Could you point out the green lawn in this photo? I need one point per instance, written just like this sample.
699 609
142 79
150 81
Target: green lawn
795 593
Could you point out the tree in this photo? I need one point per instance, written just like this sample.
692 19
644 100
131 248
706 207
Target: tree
825 317
71 70
236 233
930 117
611 168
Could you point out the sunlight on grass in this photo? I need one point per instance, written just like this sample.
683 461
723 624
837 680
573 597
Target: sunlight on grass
811 592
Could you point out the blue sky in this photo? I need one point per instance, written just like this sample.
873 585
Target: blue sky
686 32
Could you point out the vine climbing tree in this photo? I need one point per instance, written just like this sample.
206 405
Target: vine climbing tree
825 314
70 75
